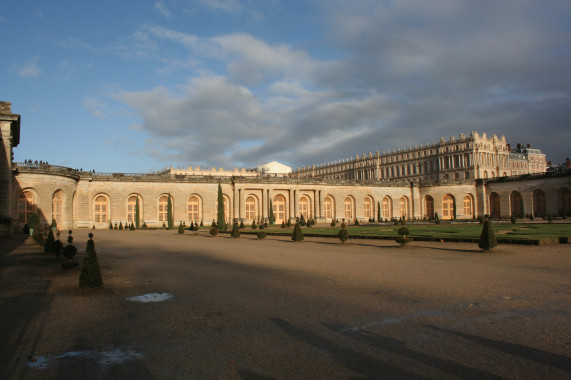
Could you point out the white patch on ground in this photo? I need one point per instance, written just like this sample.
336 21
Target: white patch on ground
106 358
387 321
151 297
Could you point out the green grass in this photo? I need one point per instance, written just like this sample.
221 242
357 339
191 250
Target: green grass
504 231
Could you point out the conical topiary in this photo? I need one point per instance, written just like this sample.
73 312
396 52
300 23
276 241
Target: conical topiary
49 246
220 222
343 235
235 231
90 274
487 237
180 228
297 234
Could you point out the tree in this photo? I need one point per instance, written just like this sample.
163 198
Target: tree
297 234
436 219
137 213
221 222
169 213
402 239
487 239
49 246
272 216
180 228
90 274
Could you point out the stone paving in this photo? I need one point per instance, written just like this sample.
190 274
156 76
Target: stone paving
223 308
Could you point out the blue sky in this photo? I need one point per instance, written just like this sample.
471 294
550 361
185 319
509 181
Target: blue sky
135 86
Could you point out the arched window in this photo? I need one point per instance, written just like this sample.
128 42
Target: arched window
304 208
403 207
448 207
368 208
485 174
429 206
564 201
164 208
57 207
516 204
132 209
101 209
193 211
328 208
26 206
539 203
349 208
251 208
279 205
387 207
494 205
493 175
468 205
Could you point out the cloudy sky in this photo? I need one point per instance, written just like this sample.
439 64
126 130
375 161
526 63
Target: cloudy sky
135 86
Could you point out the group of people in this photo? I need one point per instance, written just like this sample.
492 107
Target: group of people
36 162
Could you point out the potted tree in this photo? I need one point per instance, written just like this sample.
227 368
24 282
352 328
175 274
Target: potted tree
33 223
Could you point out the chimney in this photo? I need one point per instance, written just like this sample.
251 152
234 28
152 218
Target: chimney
509 147
5 108
518 146
529 145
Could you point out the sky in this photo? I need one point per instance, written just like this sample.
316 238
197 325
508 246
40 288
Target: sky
137 86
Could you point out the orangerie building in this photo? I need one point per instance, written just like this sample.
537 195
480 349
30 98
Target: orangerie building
458 178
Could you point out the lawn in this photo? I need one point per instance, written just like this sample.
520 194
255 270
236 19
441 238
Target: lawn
460 231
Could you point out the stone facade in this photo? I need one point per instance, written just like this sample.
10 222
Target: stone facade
77 199
472 157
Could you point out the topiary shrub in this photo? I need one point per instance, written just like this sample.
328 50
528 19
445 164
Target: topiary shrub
34 221
356 222
180 229
254 226
487 239
402 239
261 235
241 224
90 274
283 224
214 231
49 245
436 219
343 235
332 222
38 237
195 227
343 225
69 252
302 221
58 247
297 234
235 231
288 223
121 226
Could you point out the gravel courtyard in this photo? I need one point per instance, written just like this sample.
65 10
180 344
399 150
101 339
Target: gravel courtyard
275 309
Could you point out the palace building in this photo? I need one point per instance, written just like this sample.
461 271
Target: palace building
459 178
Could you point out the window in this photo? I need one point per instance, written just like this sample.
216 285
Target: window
251 208
448 207
163 209
468 206
101 208
387 208
429 206
328 208
403 207
57 207
193 209
368 208
348 208
279 205
304 208
26 206
131 209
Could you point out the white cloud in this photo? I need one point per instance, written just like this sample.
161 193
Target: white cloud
222 5
163 9
31 69
95 106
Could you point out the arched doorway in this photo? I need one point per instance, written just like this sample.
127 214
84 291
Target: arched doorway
468 206
539 203
328 208
57 208
279 205
564 201
429 206
26 206
516 204
448 207
494 205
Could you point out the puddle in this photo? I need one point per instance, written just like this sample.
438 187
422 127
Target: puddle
105 358
151 297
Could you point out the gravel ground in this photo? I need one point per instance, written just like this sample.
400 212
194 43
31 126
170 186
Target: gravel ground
264 309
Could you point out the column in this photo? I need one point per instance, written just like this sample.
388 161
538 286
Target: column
320 195
291 202
295 205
